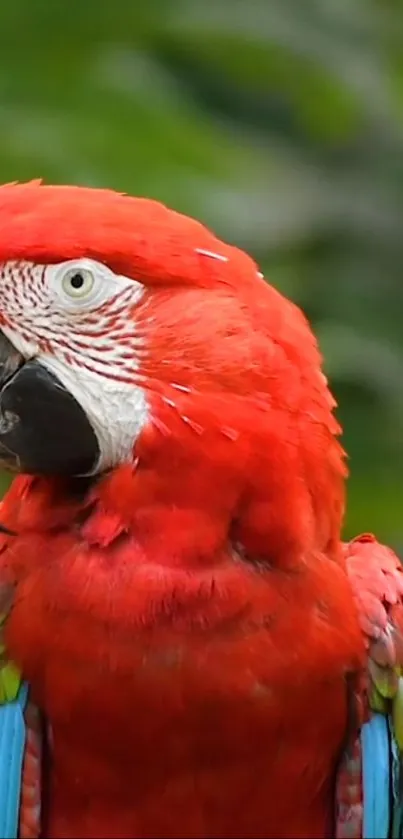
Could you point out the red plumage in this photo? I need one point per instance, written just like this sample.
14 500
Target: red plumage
186 621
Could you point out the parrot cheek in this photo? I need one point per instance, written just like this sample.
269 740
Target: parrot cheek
43 429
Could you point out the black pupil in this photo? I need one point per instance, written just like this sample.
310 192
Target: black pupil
77 280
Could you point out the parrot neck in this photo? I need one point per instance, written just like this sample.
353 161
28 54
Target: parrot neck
211 476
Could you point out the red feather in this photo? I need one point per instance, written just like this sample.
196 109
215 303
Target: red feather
205 698
186 622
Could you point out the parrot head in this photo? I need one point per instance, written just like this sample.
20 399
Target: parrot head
131 338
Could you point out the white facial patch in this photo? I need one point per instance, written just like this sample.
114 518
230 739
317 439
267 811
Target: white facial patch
78 319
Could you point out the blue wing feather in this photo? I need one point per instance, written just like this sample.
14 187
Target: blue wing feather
12 746
376 777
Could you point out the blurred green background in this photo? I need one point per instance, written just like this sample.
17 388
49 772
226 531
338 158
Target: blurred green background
279 123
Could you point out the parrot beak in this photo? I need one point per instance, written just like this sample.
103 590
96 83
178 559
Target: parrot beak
43 429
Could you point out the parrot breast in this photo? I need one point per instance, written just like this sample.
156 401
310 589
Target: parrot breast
208 700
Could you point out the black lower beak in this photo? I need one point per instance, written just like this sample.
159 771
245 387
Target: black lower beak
43 429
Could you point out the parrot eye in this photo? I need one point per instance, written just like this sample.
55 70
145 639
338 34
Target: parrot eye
78 283
82 285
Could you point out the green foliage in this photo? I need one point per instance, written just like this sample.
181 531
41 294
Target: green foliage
278 123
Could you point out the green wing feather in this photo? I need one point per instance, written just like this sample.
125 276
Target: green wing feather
10 678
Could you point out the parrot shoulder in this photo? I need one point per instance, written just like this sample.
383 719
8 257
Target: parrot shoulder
368 797
376 576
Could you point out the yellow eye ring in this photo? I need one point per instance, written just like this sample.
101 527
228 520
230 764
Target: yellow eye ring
78 282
